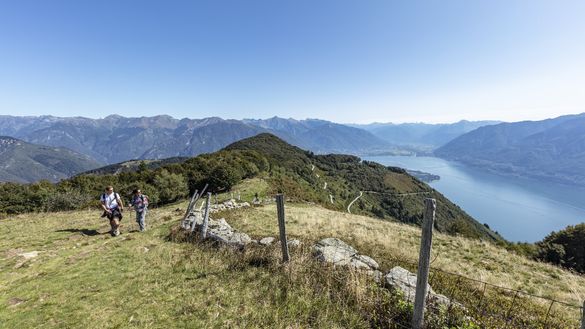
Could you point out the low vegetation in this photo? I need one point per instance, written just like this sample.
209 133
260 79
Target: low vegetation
564 248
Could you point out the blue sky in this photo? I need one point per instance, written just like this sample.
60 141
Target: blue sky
342 60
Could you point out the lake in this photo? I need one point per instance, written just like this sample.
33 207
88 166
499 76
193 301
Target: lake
520 209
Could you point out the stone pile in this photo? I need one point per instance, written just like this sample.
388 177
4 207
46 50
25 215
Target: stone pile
340 254
218 230
228 205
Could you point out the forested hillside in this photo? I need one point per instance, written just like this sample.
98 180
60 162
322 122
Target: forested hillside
24 162
330 180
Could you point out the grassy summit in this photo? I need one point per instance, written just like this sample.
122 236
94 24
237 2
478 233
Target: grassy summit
83 278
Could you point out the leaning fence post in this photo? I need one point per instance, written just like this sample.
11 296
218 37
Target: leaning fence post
583 316
205 217
424 263
283 242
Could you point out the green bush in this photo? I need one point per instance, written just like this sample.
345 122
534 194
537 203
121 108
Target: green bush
564 248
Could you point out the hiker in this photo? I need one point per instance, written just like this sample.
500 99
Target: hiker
140 204
113 207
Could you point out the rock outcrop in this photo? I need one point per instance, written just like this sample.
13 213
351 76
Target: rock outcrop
339 253
404 281
218 230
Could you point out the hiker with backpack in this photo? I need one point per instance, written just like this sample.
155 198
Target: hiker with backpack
140 204
113 207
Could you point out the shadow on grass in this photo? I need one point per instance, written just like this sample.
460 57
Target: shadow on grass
83 231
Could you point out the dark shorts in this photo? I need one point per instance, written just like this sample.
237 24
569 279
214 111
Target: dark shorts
115 214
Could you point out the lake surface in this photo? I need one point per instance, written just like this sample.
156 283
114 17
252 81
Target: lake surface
519 209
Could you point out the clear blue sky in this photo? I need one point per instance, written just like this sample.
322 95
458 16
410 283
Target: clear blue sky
341 60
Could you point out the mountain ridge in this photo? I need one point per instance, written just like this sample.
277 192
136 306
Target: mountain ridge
552 149
25 162
115 138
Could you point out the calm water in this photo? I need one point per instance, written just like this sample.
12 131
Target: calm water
520 209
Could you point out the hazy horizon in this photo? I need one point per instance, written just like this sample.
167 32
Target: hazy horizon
281 117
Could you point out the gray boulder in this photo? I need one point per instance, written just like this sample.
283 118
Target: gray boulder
402 280
221 232
267 241
230 238
294 243
339 253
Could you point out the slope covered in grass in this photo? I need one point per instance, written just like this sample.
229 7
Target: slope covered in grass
83 278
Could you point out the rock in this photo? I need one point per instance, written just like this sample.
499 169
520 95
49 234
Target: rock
15 301
294 243
230 238
267 241
339 253
404 281
29 255
369 261
221 232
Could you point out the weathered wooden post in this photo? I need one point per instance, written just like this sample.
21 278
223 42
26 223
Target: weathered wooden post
424 264
205 217
239 196
583 316
281 227
190 206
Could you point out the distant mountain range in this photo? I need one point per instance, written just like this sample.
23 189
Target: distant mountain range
24 162
116 139
552 149
422 137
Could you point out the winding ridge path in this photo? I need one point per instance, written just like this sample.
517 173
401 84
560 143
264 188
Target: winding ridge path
354 200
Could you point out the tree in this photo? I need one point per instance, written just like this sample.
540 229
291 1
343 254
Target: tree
565 248
223 178
171 187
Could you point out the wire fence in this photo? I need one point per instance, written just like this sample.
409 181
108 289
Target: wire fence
486 304
493 306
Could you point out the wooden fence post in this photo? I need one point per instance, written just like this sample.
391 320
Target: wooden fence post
205 217
424 264
190 206
583 316
281 226
195 199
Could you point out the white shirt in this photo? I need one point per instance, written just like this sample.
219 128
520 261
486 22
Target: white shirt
110 200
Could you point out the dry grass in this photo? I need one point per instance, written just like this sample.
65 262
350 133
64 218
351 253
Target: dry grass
389 242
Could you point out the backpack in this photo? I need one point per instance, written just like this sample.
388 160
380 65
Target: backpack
144 199
116 198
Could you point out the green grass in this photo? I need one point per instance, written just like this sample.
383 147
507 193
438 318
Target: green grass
149 280
143 280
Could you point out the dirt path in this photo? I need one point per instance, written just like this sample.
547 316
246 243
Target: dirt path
354 200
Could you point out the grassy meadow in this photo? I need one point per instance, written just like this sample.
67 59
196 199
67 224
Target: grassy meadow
84 278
